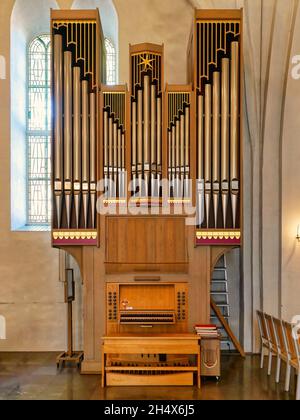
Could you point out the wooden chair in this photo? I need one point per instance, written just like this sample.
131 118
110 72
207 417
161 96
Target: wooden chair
293 351
274 351
282 353
264 337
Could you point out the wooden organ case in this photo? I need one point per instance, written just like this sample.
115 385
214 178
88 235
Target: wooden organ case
147 191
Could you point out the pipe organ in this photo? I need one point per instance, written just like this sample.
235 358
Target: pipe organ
146 120
114 144
168 158
217 78
78 43
179 140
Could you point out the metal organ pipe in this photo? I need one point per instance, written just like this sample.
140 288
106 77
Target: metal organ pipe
77 141
115 159
182 154
85 149
93 148
177 162
123 166
234 129
200 155
68 132
77 125
225 138
93 138
146 131
187 150
216 144
140 139
170 159
134 144
207 151
58 127
106 142
119 166
173 139
159 143
153 140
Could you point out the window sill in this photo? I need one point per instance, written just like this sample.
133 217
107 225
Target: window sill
34 228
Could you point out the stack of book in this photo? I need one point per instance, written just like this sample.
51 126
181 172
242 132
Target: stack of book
207 331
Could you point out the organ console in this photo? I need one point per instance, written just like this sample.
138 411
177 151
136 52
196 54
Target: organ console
161 152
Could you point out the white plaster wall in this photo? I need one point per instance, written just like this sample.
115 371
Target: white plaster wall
165 22
290 187
31 297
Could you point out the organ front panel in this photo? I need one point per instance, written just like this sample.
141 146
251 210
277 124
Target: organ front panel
146 306
77 73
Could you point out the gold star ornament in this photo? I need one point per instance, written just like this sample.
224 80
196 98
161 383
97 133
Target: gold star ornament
146 62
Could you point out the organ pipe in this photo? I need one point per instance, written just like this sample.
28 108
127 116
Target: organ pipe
93 148
177 169
216 144
76 77
58 87
85 149
225 138
77 125
182 154
234 129
207 151
153 127
67 115
187 150
93 175
106 145
140 131
173 157
58 126
68 132
134 142
77 141
115 159
158 126
85 132
200 138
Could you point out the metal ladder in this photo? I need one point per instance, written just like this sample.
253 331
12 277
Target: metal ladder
220 294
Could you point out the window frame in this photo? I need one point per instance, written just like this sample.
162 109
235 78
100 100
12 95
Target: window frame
112 45
37 133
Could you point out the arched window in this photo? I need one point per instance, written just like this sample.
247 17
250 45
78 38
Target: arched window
39 131
111 63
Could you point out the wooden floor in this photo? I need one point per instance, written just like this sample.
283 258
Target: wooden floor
34 377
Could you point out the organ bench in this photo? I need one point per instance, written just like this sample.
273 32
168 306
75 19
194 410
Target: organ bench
168 362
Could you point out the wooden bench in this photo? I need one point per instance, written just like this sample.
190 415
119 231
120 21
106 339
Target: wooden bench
153 374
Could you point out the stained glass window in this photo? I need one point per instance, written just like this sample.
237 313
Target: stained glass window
111 63
38 132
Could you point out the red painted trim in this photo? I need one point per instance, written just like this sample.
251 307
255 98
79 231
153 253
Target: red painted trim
229 242
75 242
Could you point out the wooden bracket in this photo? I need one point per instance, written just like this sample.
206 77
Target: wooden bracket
229 331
